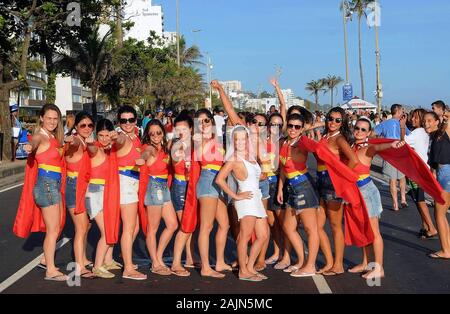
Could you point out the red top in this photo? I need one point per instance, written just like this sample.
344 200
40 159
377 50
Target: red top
160 168
179 167
101 171
130 158
52 156
290 167
214 155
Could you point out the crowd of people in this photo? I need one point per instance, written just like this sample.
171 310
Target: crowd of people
246 171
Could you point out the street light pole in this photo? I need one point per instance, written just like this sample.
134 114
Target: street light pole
377 54
178 33
344 18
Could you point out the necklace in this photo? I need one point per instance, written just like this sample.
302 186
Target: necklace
327 136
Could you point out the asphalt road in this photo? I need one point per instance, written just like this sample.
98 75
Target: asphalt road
407 268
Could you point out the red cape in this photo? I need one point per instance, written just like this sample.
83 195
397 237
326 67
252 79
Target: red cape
406 160
190 213
111 201
29 216
84 174
357 225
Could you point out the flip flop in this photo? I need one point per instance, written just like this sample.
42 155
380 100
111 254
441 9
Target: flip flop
437 256
254 278
262 276
181 273
221 276
90 265
291 269
280 266
271 261
331 273
57 278
260 268
163 271
426 236
134 278
87 275
302 274
42 266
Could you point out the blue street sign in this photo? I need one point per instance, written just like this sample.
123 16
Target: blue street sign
347 92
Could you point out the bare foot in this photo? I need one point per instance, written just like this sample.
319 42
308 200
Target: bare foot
334 271
212 273
260 266
223 267
272 260
358 269
133 275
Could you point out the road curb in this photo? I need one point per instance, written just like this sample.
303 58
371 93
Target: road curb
12 170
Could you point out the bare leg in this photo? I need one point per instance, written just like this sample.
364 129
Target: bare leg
335 213
81 222
393 190
102 247
403 190
325 245
247 225
170 220
261 230
309 220
440 213
290 229
221 236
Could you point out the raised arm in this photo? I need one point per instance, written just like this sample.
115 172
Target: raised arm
91 147
283 110
222 183
345 148
227 105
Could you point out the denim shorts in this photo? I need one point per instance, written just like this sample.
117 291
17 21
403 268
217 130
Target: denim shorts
273 192
443 176
94 199
178 194
129 188
303 195
326 188
157 193
46 192
71 190
372 197
264 187
206 186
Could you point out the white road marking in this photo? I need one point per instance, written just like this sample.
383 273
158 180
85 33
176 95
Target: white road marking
322 284
28 267
11 187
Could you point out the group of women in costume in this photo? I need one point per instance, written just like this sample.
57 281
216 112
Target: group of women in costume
253 179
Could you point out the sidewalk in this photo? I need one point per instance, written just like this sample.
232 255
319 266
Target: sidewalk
11 172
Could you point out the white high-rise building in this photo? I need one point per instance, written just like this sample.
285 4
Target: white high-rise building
145 16
231 86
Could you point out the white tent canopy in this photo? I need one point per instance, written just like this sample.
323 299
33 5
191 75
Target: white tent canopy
358 104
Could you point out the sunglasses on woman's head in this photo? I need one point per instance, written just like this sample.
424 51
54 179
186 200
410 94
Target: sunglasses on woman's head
357 128
159 133
337 120
296 126
259 123
83 126
124 121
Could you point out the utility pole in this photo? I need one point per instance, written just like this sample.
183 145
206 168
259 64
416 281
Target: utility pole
377 54
344 18
178 33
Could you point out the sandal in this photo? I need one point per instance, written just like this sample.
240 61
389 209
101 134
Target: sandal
181 272
280 265
87 274
57 278
254 278
291 269
162 270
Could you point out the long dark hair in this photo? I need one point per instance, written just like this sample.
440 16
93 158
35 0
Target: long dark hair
421 114
184 117
345 129
104 124
146 138
78 118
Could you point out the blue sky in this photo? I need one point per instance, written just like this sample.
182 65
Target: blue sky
247 39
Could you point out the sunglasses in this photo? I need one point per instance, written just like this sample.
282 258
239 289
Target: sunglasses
280 125
83 126
206 121
254 121
357 128
130 120
337 120
296 126
159 133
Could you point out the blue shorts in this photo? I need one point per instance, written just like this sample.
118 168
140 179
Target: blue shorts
264 187
71 190
46 192
326 188
157 193
303 195
443 176
273 191
178 194
372 198
206 186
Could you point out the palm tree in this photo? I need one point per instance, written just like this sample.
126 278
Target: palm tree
90 59
331 82
315 87
359 7
188 55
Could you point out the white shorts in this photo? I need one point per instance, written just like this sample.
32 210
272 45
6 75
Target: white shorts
129 188
94 200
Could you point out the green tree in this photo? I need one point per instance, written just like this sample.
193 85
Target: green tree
189 56
331 82
315 87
